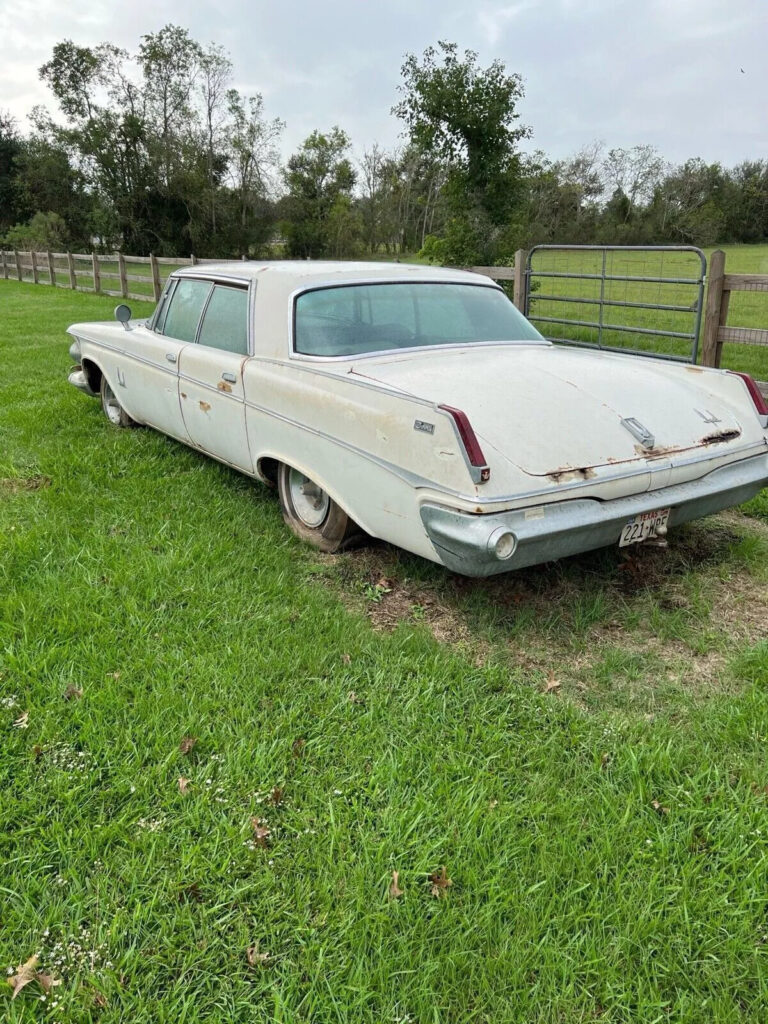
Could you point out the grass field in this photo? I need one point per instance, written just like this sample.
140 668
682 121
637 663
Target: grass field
581 746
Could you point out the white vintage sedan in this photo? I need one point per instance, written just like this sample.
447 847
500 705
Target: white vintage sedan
417 405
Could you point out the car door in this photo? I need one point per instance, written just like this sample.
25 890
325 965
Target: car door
211 377
146 381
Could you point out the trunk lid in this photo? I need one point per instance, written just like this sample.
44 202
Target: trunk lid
555 412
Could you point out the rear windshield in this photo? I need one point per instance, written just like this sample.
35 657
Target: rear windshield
356 319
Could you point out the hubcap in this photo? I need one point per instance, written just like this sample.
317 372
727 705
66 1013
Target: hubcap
310 502
111 405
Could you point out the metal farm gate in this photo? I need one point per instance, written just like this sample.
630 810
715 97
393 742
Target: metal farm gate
647 300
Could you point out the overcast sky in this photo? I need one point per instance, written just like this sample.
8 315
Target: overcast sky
688 76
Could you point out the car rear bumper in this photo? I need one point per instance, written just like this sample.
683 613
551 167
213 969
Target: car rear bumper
466 543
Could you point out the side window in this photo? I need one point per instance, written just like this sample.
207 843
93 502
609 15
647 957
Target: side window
186 305
225 324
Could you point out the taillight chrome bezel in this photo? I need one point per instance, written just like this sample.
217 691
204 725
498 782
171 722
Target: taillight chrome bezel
478 467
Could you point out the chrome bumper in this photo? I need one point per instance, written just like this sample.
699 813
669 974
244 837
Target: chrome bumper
79 380
466 543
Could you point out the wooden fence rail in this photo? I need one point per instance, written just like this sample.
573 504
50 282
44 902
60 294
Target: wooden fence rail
716 329
71 266
67 269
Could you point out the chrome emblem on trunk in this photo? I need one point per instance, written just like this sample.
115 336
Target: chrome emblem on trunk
636 429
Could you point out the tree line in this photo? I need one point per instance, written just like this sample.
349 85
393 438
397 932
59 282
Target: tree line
155 151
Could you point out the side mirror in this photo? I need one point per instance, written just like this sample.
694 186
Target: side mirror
123 314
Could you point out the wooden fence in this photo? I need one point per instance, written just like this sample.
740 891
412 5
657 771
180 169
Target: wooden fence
89 272
717 331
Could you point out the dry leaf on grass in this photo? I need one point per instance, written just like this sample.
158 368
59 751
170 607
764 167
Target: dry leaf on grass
440 882
261 832
183 785
277 795
346 658
395 892
353 698
22 722
605 760
552 683
256 958
72 693
298 746
656 805
28 972
188 743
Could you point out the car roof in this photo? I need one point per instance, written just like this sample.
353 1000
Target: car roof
308 272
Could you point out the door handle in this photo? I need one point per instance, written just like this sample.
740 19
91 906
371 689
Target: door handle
231 377
171 357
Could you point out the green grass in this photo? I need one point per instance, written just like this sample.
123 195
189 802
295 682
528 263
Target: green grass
166 588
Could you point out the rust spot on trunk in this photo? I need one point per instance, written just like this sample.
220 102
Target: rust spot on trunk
565 473
223 386
183 395
205 406
721 435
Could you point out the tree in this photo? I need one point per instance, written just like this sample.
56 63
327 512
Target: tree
45 231
318 176
254 157
467 118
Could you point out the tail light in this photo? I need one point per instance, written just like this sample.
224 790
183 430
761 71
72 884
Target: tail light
480 469
758 400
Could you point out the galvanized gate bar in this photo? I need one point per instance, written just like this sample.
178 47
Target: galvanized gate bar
614 302
614 327
604 299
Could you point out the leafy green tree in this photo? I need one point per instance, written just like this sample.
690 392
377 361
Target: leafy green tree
11 146
467 118
45 231
318 177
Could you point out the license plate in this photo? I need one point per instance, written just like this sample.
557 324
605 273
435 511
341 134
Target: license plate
643 526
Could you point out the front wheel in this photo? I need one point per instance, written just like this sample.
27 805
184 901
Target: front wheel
114 412
312 514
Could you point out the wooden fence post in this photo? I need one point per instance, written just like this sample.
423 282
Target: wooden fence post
51 269
193 259
35 275
123 278
18 265
5 265
521 261
713 311
96 273
72 275
155 276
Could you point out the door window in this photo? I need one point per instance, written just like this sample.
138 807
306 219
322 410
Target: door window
186 305
225 324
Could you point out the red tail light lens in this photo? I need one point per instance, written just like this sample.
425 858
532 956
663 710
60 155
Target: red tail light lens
469 440
758 400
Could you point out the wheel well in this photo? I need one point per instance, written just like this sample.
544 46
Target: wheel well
267 470
93 375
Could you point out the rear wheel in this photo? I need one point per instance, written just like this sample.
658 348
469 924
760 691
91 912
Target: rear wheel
114 412
312 514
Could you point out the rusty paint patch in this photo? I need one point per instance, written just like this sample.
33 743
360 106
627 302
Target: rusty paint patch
13 485
694 369
565 473
205 406
223 386
721 435
183 395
